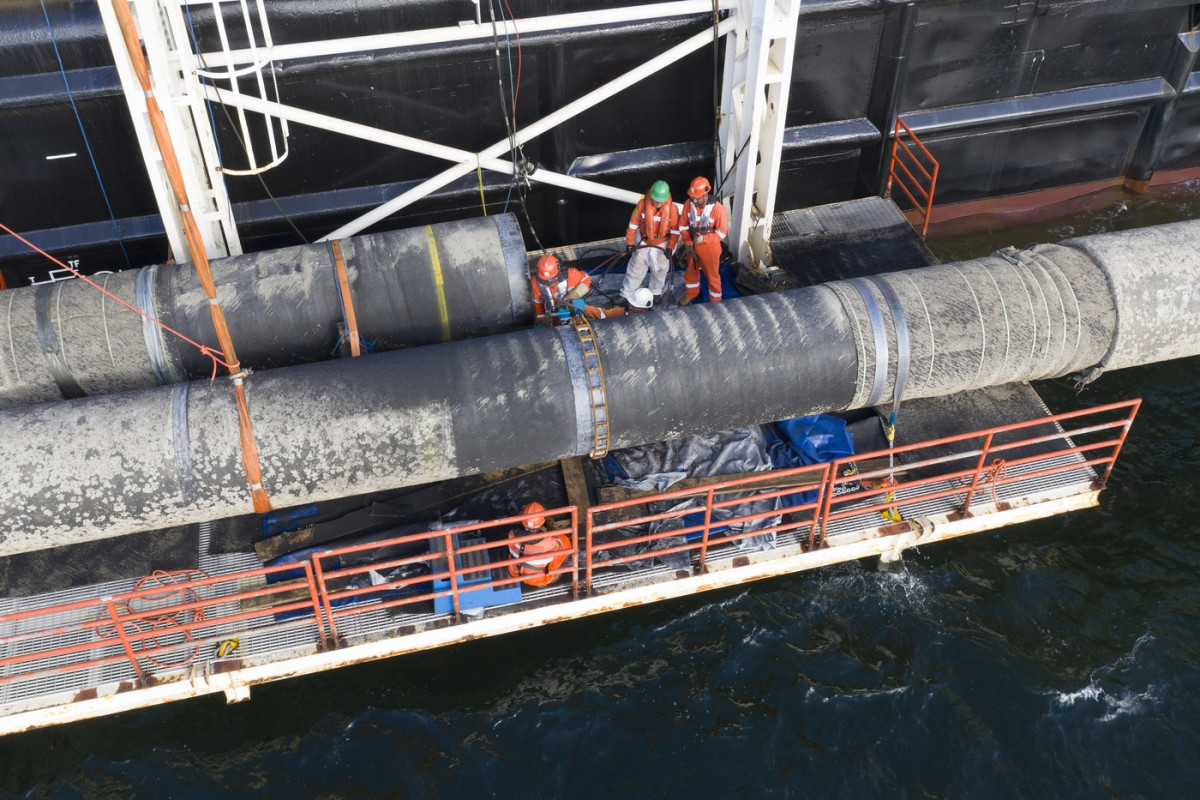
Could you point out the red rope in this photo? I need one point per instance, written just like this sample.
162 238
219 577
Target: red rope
147 629
208 351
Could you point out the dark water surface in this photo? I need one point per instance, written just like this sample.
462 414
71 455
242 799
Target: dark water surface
1058 658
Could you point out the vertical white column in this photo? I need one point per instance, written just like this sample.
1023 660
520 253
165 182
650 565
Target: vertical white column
754 97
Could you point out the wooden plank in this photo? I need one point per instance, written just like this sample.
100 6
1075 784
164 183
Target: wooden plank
576 483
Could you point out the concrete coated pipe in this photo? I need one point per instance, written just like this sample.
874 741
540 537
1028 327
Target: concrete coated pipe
438 283
168 456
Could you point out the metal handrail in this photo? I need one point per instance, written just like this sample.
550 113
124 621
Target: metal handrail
900 174
322 602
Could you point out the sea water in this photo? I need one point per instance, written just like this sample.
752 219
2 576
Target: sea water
1057 658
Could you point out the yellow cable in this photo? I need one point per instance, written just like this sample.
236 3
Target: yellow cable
479 174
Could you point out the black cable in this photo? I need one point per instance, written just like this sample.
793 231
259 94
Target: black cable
246 150
717 154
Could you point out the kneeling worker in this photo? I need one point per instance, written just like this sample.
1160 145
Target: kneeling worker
537 571
557 295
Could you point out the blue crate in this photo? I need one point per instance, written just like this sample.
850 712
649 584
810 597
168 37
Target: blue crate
483 597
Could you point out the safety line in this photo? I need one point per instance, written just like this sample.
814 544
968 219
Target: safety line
439 283
339 266
204 349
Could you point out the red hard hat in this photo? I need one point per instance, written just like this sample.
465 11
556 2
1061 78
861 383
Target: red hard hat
535 507
547 267
700 186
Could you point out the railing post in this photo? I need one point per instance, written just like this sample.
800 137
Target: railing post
826 487
983 454
323 589
708 501
887 192
574 552
112 611
1103 481
451 559
834 472
314 595
929 204
587 584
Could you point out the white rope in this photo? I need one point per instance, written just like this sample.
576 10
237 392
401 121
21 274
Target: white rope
1016 266
858 335
12 346
1062 306
1045 305
104 319
982 330
1003 310
62 345
929 322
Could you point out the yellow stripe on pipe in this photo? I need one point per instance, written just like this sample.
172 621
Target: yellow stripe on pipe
439 283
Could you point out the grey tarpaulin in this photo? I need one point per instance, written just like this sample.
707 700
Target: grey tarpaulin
656 467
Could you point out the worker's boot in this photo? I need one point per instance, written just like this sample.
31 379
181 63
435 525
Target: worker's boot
683 301
621 302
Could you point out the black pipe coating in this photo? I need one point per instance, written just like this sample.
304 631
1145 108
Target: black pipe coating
437 283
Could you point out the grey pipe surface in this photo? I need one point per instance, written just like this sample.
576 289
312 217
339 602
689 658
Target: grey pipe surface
412 287
168 456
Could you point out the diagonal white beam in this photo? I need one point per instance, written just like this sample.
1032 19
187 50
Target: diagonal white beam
645 70
463 33
402 142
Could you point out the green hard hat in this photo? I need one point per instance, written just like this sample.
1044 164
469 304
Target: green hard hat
659 192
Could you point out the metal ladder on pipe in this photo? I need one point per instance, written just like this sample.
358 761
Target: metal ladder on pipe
598 397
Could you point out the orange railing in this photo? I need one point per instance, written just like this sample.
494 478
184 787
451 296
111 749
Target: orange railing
907 163
448 578
189 616
167 625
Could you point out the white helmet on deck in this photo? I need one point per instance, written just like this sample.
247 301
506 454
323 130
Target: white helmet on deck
642 298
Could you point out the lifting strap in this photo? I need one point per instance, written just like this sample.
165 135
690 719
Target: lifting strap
339 266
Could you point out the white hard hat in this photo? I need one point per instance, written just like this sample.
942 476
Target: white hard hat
642 298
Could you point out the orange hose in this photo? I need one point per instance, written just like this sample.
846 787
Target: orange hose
158 124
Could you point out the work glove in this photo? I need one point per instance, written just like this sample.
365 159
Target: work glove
628 248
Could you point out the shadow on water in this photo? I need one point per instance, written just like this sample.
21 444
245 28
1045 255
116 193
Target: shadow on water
1059 658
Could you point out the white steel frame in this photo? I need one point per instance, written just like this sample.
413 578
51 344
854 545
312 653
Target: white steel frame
175 87
754 99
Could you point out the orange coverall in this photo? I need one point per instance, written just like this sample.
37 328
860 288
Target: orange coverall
709 224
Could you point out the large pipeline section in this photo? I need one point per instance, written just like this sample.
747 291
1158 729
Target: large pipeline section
443 282
168 456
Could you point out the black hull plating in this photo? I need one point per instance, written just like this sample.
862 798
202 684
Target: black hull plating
1011 97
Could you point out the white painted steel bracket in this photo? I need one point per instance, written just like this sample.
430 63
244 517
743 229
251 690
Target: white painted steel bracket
161 28
754 99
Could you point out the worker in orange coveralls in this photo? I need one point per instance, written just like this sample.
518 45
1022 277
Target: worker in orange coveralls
703 225
538 569
557 295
